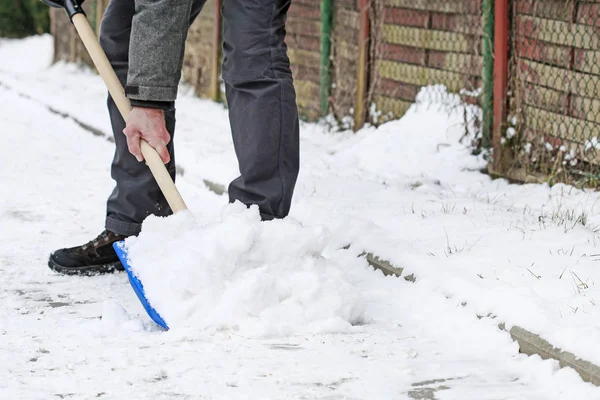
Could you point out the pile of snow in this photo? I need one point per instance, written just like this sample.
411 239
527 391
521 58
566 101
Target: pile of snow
259 278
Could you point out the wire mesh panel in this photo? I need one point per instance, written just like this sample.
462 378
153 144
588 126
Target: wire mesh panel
554 107
425 42
198 62
345 51
303 40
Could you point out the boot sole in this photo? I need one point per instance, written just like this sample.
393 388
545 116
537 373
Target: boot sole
87 270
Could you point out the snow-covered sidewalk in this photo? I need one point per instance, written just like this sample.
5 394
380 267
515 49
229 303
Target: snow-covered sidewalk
409 192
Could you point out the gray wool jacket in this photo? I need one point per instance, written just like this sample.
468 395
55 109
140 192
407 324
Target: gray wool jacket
158 33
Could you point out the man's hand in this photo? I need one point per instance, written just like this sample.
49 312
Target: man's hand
147 124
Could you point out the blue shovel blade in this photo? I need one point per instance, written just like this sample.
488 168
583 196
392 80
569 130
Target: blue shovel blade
137 286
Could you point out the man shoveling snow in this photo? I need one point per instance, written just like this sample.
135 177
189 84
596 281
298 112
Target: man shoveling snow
145 45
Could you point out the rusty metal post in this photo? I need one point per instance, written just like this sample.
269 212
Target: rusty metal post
487 100
363 64
501 32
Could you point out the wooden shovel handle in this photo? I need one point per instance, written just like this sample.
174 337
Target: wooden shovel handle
153 160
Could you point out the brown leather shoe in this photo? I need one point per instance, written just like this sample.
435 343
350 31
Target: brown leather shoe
93 258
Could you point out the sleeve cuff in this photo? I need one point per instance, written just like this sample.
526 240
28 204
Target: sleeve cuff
163 105
151 93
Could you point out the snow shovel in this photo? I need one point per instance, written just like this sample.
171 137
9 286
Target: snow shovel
153 160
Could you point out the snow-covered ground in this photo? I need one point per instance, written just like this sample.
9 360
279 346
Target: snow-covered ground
408 191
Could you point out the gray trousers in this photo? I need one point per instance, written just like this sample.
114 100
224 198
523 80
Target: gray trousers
262 113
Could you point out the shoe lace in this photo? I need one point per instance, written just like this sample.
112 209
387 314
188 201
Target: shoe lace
94 242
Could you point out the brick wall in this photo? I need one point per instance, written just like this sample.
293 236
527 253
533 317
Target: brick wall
556 74
303 40
413 43
419 43
199 52
344 57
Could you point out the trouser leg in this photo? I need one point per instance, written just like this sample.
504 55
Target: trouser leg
262 104
136 194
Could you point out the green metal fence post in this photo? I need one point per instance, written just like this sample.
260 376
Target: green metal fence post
326 27
488 73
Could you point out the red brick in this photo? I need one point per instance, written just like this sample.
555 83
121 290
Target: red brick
303 42
406 17
589 14
525 26
454 62
525 72
298 10
405 54
538 51
586 61
525 7
456 23
436 59
474 7
397 90
306 73
444 22
552 9
297 26
471 7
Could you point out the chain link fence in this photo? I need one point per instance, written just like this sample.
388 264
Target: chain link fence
345 64
201 60
411 44
552 129
419 43
304 40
